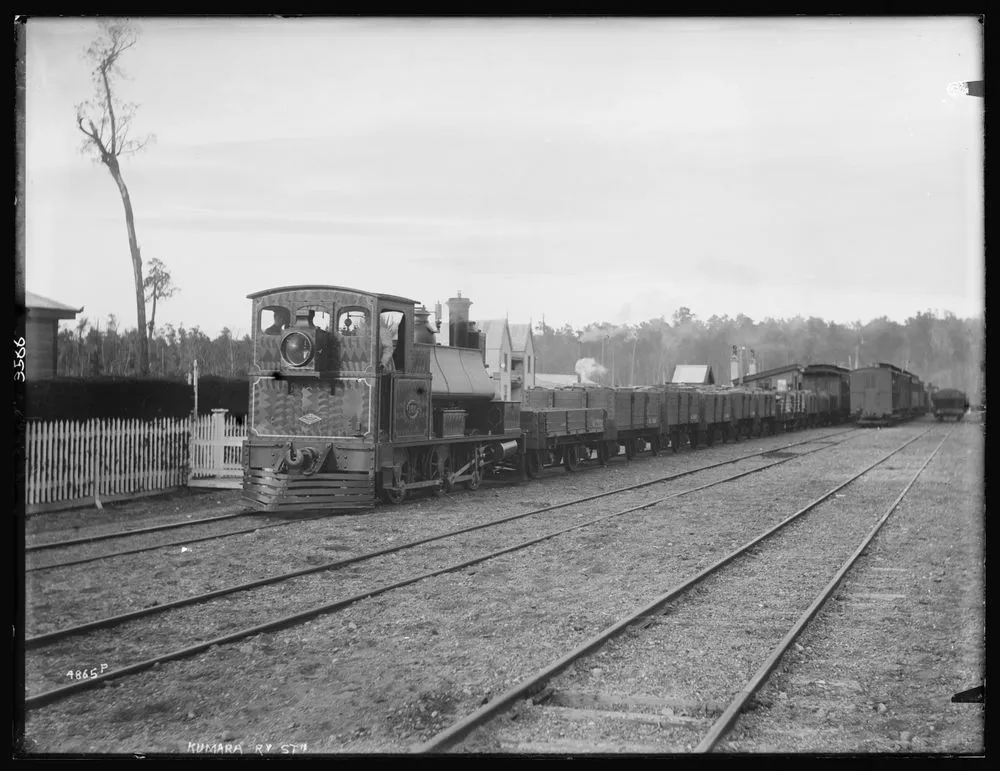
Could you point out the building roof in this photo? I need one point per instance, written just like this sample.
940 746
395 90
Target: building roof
774 371
49 308
693 373
825 369
494 331
555 381
519 336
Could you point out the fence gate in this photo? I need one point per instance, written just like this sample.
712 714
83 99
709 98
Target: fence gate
216 451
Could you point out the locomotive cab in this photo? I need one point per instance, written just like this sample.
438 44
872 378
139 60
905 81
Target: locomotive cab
316 421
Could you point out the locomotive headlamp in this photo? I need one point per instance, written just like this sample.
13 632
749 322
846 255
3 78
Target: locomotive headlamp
296 349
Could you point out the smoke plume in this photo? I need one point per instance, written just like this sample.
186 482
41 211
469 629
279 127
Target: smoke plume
589 369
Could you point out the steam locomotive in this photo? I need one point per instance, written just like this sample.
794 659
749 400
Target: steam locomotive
351 401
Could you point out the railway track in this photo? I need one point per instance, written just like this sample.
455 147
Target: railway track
622 690
38 563
279 589
160 545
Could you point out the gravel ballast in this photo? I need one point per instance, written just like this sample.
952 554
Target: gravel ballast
388 672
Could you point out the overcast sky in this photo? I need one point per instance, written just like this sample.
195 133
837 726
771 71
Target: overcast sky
584 169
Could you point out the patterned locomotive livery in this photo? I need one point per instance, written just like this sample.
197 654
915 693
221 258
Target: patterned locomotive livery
337 408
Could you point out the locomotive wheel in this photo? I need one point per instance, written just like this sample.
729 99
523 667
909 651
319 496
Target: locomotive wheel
396 496
476 480
571 457
532 463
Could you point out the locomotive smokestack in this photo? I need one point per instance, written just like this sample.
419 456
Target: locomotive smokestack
423 330
458 321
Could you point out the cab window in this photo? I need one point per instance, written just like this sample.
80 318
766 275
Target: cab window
392 340
315 316
352 322
274 319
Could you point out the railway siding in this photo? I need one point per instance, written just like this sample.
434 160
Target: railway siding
393 670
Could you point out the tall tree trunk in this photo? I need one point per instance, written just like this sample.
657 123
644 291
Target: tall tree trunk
142 341
152 316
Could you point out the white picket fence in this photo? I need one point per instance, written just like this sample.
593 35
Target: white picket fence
76 462
216 451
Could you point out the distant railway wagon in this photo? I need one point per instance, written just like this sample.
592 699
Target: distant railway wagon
836 383
950 403
883 394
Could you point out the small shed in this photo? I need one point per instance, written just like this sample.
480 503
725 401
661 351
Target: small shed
693 374
41 334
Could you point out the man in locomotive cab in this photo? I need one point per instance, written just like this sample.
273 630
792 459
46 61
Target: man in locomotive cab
280 323
392 355
386 360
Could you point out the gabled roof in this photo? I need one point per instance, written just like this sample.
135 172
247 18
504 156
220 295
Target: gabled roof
774 371
693 373
495 330
519 336
49 308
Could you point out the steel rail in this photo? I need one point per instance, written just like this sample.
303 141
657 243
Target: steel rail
139 531
182 542
725 722
536 681
290 620
109 621
250 513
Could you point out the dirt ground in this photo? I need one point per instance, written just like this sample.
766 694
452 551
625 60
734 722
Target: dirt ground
874 674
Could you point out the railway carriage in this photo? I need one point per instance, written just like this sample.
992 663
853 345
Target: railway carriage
835 382
880 395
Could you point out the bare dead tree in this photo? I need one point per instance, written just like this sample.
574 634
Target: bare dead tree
157 286
106 121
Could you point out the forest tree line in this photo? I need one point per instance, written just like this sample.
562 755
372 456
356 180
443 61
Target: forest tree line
944 350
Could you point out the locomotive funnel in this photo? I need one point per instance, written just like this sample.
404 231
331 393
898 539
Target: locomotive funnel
458 321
